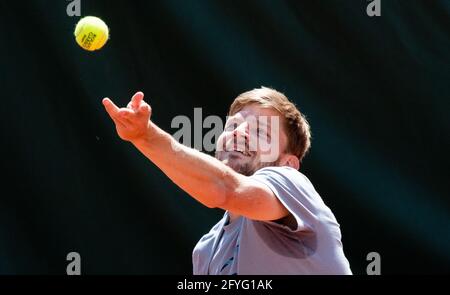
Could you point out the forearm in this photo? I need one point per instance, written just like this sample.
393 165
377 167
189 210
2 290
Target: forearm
203 177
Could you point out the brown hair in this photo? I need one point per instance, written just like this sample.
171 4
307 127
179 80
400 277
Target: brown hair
296 126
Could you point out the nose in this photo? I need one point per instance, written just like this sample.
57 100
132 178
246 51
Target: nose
241 136
241 130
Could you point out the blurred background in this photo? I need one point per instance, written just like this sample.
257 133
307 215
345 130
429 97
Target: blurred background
374 89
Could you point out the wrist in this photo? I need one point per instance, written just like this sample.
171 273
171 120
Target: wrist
146 136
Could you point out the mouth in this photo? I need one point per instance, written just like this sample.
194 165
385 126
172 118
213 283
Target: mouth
243 153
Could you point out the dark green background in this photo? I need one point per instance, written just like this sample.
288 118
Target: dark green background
375 90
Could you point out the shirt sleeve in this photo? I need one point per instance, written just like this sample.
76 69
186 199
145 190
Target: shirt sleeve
295 192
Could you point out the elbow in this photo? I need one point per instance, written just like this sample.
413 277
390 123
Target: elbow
220 199
226 190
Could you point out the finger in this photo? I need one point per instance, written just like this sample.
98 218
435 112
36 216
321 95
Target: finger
136 100
144 110
113 112
110 107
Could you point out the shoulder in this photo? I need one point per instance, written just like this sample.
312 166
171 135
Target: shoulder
284 175
279 170
292 188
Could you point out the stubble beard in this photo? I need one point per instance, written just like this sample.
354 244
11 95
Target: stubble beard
246 168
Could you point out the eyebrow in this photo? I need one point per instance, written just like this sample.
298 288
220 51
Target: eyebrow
261 123
231 120
266 122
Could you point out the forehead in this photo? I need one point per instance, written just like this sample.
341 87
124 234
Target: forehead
256 110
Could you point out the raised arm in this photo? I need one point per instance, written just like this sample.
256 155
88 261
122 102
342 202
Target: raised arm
203 177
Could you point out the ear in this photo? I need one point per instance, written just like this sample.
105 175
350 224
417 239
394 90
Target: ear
290 161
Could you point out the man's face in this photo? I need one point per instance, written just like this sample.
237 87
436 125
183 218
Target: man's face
253 138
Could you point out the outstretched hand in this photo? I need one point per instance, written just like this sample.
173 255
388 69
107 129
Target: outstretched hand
132 122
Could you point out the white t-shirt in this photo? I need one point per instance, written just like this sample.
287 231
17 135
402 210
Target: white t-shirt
308 241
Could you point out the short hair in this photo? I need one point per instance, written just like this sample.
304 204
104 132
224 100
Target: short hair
296 126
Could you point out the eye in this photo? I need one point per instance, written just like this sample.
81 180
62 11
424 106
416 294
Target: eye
231 126
263 131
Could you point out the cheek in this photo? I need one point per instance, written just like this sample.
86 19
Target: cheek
220 145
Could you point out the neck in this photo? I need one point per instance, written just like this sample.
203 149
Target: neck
232 216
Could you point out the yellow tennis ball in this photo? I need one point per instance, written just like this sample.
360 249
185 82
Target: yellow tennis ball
91 33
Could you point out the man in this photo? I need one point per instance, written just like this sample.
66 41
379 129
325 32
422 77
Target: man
274 222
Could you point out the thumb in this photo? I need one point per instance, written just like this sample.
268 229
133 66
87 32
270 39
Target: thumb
110 107
137 99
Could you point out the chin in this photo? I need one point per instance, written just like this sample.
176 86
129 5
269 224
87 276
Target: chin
243 167
236 163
